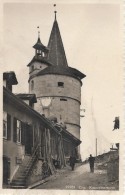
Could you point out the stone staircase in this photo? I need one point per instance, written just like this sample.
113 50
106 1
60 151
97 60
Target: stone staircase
20 178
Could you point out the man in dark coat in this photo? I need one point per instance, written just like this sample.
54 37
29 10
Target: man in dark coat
91 163
72 161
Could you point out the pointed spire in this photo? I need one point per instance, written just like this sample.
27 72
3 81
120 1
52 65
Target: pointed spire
55 11
55 14
41 51
38 41
56 53
38 32
39 44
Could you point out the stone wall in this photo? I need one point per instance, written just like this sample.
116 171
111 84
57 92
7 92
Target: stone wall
64 101
47 85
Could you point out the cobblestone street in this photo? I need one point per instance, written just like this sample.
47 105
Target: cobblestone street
79 179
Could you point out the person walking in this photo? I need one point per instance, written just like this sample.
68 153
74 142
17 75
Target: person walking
72 161
91 163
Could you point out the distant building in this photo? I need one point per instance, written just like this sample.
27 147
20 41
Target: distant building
56 85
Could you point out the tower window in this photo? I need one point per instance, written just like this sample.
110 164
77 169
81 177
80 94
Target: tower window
60 84
32 85
43 54
39 52
63 99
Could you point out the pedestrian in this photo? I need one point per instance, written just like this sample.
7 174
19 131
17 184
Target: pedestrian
91 163
72 161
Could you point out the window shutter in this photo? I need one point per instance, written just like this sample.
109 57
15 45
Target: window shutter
14 129
23 128
8 127
31 135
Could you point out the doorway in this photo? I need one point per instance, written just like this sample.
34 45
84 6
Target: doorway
6 169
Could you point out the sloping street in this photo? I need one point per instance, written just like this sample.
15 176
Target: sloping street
79 179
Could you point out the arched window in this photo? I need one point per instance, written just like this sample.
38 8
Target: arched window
32 85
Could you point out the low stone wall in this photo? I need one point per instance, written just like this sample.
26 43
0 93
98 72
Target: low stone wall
113 170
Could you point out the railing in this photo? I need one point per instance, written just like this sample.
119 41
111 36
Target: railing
34 156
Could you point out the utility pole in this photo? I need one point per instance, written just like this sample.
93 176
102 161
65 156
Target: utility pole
96 147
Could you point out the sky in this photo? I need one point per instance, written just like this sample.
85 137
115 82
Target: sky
91 35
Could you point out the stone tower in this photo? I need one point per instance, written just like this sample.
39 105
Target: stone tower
56 85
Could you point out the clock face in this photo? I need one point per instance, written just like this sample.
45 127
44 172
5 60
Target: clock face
46 101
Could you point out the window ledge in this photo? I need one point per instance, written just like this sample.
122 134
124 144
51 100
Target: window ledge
5 139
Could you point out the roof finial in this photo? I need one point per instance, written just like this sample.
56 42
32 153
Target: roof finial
38 32
55 10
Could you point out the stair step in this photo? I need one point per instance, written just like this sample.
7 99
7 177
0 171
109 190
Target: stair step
21 175
18 183
18 187
19 179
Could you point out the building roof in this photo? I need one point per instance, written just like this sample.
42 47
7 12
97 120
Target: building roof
40 46
39 59
60 70
27 96
62 129
10 77
56 53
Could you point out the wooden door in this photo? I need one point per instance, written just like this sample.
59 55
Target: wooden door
6 170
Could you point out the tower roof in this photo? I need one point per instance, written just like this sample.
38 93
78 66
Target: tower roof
56 53
39 59
59 70
39 45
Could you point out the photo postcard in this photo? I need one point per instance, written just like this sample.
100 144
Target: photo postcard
61 97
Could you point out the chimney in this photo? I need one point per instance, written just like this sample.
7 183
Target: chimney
9 79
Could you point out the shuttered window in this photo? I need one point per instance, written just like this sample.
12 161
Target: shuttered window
6 126
15 130
18 131
23 133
